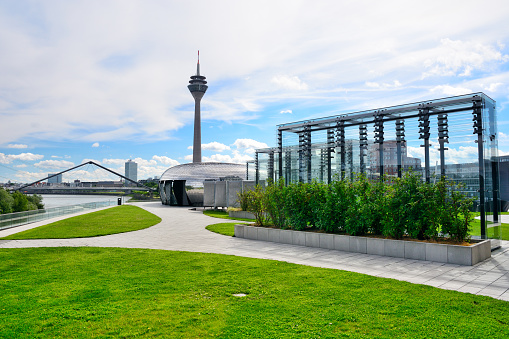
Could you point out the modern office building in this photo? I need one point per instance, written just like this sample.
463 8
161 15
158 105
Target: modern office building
57 179
453 137
131 171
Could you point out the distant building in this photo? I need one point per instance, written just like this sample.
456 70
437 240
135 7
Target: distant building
131 171
55 180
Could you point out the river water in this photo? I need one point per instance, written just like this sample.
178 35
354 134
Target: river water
57 200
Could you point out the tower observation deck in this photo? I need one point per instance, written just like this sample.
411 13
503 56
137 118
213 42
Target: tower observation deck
197 86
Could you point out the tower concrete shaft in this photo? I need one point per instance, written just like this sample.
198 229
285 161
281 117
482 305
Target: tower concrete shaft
197 86
197 126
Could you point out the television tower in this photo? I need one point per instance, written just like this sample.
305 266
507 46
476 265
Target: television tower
197 86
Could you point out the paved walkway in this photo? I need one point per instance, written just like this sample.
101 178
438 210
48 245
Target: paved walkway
184 230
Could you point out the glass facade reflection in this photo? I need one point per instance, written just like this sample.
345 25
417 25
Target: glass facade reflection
453 137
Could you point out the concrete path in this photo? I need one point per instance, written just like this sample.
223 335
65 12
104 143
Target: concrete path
184 230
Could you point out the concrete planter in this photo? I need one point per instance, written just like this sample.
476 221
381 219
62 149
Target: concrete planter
452 254
241 214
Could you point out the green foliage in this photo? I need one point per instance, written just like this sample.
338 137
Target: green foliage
18 202
301 202
255 204
243 199
274 202
119 219
6 201
36 200
396 207
455 216
332 214
141 293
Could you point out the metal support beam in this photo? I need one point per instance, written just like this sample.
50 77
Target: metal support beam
280 150
330 151
400 138
424 134
379 139
340 142
478 129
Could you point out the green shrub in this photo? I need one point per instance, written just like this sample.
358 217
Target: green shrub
274 203
255 199
6 201
301 200
455 217
360 214
331 215
243 199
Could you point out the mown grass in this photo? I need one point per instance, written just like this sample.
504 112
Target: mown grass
224 228
222 215
113 292
119 219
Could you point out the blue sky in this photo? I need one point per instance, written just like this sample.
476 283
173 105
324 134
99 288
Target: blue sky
106 80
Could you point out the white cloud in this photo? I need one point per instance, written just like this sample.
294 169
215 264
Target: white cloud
462 154
17 146
492 87
54 164
215 146
21 166
289 82
286 111
456 57
165 160
395 84
249 145
450 90
114 161
8 158
95 144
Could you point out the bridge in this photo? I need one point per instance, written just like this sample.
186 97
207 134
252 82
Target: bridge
28 188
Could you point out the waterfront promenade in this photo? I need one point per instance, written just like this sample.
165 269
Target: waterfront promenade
182 229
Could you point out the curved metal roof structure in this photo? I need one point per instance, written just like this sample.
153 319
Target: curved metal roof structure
196 173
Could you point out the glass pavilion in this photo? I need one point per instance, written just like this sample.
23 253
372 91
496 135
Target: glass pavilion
453 137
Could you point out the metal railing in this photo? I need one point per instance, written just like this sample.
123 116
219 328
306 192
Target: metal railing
21 218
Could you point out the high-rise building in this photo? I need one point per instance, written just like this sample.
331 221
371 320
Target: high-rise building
197 86
57 179
131 171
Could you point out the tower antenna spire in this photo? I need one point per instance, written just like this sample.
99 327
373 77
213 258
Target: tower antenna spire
198 64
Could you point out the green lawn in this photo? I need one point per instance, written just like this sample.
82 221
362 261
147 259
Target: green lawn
225 228
119 219
222 215
127 293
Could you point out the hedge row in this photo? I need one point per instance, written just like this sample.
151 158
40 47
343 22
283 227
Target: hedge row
395 208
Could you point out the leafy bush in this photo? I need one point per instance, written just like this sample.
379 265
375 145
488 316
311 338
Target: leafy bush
274 203
331 215
255 199
301 202
6 201
455 217
243 199
395 207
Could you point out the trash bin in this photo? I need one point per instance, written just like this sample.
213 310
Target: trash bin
119 201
